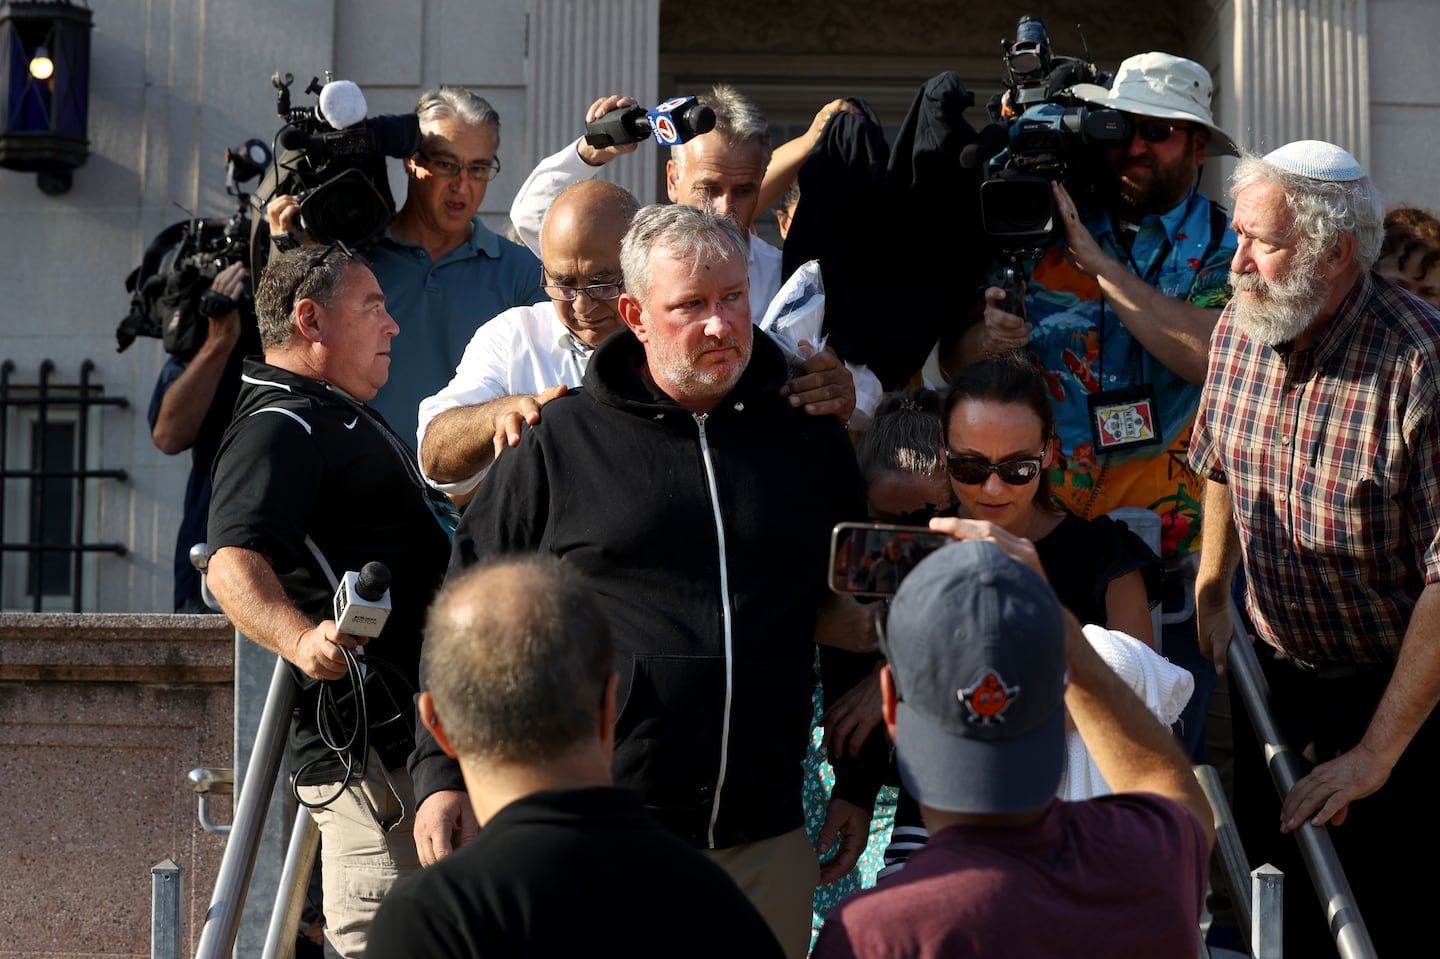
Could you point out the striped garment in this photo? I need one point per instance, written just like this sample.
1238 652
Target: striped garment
1332 457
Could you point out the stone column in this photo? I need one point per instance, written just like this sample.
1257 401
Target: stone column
578 51
1296 70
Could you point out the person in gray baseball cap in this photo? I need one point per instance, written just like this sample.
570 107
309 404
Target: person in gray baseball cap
982 665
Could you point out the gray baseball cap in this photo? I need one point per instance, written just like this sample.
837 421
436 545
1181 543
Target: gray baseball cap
976 645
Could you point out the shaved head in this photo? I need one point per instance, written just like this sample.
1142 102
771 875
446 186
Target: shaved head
580 248
590 206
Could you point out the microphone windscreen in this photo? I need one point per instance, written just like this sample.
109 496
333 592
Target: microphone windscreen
373 580
342 104
701 117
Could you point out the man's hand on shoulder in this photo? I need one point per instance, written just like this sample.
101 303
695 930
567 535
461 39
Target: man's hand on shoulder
599 156
526 411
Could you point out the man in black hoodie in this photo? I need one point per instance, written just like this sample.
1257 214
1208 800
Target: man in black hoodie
311 483
701 505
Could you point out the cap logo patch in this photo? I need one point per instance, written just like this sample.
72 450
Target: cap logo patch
987 700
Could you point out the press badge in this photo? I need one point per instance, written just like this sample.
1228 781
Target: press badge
1124 419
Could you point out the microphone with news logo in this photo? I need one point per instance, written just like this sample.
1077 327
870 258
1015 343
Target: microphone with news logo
677 120
362 601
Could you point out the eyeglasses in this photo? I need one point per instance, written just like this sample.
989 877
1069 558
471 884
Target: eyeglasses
310 270
973 471
480 171
1158 131
597 291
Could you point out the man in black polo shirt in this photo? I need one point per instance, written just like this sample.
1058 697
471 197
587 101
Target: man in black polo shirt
520 665
310 483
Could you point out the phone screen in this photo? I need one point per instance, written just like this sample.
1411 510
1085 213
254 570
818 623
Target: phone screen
870 559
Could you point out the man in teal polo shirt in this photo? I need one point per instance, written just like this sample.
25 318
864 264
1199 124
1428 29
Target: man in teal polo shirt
444 273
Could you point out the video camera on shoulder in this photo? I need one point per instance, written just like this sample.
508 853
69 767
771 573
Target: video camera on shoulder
1041 131
170 294
332 159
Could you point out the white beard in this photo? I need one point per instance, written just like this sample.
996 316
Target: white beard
1277 312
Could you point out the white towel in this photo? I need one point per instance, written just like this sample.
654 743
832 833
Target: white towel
1162 686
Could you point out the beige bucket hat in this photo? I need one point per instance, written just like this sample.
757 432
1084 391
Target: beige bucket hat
1164 87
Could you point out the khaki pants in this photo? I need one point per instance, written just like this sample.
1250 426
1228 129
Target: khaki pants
778 876
366 846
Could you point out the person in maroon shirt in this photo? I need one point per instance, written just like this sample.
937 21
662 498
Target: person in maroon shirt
975 696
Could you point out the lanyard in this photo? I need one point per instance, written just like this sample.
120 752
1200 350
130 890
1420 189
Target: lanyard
1149 276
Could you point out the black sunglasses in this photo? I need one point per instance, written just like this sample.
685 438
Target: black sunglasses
972 471
1158 131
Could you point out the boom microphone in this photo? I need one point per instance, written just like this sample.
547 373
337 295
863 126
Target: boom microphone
675 121
362 601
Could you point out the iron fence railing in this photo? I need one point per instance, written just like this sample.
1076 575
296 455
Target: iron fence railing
46 479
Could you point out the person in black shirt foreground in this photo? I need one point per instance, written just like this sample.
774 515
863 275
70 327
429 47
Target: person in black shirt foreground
519 661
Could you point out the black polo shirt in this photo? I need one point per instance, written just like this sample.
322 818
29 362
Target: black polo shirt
315 481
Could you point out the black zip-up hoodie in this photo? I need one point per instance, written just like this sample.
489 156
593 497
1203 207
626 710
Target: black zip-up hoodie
707 538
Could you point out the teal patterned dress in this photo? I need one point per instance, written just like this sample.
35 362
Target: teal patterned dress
819 780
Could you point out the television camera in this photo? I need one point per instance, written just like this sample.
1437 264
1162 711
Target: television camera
1041 131
331 158
170 295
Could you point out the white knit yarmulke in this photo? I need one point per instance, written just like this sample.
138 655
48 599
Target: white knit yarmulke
1317 160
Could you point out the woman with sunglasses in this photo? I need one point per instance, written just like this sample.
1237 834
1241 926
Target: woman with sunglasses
999 443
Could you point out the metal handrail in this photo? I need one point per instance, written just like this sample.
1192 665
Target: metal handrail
1227 844
222 920
1346 923
294 880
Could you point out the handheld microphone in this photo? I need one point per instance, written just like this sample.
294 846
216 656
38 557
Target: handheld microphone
362 601
675 121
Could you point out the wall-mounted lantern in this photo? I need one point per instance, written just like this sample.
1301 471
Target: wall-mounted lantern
44 89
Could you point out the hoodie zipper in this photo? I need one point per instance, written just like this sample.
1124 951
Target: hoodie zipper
726 620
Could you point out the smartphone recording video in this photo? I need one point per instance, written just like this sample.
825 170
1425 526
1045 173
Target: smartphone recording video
870 559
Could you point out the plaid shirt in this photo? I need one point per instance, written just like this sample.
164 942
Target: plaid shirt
1332 456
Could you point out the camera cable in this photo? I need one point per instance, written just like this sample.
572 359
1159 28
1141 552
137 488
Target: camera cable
345 730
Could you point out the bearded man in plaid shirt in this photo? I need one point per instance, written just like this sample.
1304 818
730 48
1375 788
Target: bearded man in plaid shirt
1319 440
